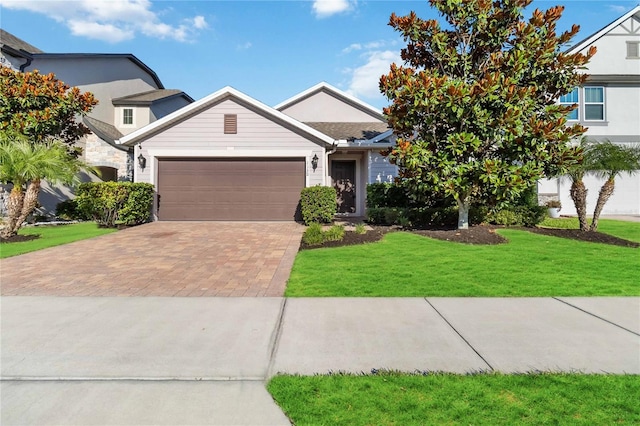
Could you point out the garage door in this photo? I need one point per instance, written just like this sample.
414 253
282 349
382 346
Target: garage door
229 188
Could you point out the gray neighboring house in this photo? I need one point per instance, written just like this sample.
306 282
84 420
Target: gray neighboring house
230 157
130 96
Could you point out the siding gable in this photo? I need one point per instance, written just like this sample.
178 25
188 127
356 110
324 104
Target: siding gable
324 106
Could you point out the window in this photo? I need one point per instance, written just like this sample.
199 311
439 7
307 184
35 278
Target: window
633 50
571 98
594 103
127 116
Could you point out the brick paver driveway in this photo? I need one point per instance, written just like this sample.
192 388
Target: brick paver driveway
162 259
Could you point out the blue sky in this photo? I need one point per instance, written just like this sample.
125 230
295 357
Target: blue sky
271 50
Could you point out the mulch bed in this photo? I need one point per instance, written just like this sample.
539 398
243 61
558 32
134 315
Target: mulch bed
19 238
592 237
479 234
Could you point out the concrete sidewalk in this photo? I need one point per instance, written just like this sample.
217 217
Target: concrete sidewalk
205 360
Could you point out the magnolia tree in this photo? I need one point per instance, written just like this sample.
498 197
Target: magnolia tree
474 106
41 107
38 129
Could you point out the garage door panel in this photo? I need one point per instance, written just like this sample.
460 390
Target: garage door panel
229 189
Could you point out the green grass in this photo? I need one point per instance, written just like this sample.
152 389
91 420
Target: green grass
627 230
484 399
51 236
409 265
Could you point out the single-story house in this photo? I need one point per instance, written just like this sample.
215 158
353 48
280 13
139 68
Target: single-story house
230 157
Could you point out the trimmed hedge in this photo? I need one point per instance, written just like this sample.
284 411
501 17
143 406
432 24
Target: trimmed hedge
517 216
421 216
68 210
318 204
386 195
127 203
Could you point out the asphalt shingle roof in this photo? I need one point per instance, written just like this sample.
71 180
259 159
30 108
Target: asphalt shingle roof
104 131
146 97
350 131
14 42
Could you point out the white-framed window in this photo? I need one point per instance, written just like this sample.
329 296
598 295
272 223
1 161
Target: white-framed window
590 101
593 103
127 116
572 98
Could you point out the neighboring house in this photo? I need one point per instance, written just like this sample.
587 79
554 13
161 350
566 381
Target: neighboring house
129 93
231 157
609 105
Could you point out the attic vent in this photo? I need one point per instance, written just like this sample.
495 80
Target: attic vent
230 124
633 50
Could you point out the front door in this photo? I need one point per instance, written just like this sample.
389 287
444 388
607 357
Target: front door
343 175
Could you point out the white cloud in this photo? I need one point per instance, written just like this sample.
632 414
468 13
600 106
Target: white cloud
110 20
365 78
618 8
200 23
352 47
325 8
244 46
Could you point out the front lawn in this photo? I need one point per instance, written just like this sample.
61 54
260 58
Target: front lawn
52 236
484 399
409 265
627 230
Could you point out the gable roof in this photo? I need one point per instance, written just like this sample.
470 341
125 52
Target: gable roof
8 39
147 98
350 131
588 41
215 98
128 56
337 93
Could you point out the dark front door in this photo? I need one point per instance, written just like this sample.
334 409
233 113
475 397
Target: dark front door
343 175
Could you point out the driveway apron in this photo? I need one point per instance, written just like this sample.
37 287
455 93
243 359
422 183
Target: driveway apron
162 259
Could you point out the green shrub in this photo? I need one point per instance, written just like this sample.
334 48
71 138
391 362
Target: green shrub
313 235
517 216
386 195
318 204
110 202
335 233
68 210
422 216
360 229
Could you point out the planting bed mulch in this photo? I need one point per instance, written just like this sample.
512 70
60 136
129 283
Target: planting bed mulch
593 237
19 238
478 234
351 238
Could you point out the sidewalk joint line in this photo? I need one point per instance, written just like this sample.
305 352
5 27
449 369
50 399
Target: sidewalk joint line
596 316
459 334
275 338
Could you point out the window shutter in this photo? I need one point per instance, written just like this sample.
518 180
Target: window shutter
230 124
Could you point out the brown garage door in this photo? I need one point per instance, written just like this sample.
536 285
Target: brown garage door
229 188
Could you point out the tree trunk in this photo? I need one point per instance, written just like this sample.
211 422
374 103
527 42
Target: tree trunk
463 213
579 196
29 203
605 193
14 208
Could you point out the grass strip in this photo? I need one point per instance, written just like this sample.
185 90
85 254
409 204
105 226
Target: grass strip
483 399
51 236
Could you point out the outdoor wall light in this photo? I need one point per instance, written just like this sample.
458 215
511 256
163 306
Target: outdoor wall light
314 162
142 162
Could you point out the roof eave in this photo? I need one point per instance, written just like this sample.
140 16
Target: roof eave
589 40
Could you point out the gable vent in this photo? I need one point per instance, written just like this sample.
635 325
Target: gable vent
230 124
633 49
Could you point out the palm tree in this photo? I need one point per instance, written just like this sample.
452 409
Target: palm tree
25 164
578 191
608 160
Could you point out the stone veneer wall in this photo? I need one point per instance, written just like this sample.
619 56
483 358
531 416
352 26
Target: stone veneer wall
99 153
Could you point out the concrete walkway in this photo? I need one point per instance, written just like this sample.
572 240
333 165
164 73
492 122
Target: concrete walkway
154 360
